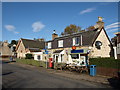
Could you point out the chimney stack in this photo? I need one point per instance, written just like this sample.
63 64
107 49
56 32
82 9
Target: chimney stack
99 23
118 37
54 35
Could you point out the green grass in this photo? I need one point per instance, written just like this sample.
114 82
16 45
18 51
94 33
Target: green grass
99 62
31 62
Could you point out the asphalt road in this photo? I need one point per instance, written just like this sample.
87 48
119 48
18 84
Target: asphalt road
16 76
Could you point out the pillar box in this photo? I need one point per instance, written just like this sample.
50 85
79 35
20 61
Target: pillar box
50 63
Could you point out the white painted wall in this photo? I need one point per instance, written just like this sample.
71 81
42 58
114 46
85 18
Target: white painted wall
36 54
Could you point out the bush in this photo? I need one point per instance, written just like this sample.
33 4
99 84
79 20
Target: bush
29 56
105 62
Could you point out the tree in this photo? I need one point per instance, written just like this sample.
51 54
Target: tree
72 29
13 42
62 34
90 28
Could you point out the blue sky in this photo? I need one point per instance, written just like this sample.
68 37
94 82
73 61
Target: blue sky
39 19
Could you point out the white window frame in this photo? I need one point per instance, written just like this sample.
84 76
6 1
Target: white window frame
74 41
49 45
60 43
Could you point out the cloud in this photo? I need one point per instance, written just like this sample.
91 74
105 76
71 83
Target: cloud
11 28
113 25
112 30
87 10
37 26
16 32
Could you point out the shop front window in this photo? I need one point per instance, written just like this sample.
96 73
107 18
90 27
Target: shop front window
75 56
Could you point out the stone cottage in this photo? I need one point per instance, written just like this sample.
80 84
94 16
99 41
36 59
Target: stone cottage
25 46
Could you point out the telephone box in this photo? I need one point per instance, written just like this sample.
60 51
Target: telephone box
50 63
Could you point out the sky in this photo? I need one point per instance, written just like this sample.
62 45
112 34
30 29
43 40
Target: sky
38 19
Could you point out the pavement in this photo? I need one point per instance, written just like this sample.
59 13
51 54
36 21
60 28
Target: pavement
74 75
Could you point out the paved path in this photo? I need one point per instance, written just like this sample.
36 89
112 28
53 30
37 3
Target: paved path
25 76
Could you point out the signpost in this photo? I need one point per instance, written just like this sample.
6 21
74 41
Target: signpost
46 52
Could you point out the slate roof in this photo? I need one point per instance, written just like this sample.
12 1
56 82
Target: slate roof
33 44
88 38
34 50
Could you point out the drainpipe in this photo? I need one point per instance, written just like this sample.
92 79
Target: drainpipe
81 40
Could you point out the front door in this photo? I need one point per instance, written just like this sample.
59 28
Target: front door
83 59
57 58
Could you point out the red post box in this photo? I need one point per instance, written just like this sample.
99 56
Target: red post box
50 62
73 47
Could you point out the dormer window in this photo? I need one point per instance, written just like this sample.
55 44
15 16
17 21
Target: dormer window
75 41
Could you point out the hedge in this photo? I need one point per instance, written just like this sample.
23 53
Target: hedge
32 62
28 56
105 62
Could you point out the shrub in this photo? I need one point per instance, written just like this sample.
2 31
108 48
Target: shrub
29 56
59 65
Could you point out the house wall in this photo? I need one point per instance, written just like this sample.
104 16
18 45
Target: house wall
118 51
105 48
5 50
36 54
36 57
21 51
118 46
67 51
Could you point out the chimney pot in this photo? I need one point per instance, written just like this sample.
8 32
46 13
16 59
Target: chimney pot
54 35
54 31
100 19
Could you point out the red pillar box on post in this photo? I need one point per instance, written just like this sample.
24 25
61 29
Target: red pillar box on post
73 47
50 62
